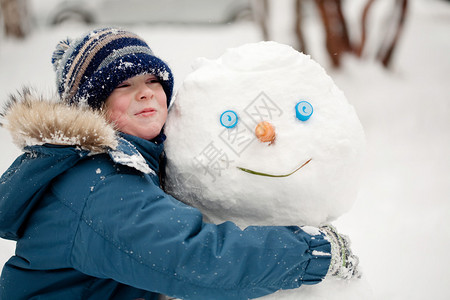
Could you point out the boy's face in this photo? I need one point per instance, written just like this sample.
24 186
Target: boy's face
138 106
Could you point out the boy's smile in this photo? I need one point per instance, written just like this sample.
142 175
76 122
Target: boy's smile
147 112
138 106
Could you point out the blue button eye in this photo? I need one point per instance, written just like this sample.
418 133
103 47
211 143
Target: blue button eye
228 119
303 110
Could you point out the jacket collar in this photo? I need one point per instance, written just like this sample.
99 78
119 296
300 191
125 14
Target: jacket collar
137 153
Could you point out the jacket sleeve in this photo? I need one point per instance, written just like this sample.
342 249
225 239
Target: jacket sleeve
134 233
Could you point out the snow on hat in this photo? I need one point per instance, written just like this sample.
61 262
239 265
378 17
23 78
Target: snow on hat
89 68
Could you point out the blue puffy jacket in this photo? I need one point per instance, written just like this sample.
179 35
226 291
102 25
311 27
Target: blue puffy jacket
91 222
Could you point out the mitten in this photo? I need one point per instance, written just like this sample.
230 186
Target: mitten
344 264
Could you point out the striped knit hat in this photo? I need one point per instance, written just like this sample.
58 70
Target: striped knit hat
88 69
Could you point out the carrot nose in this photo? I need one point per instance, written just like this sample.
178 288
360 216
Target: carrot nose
265 132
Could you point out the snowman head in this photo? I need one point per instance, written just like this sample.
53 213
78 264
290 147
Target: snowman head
263 136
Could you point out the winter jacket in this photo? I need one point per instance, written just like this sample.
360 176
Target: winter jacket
91 222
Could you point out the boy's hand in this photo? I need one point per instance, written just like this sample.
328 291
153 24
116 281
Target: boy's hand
344 264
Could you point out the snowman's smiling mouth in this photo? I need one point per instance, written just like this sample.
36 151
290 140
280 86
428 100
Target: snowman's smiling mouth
272 175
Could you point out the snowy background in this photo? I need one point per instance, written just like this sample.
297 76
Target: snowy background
400 224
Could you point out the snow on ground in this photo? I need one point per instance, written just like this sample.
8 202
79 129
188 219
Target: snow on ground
400 225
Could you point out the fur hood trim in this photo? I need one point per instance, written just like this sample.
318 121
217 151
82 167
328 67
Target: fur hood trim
36 120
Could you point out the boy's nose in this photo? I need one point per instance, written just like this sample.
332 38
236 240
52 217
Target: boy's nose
145 92
265 132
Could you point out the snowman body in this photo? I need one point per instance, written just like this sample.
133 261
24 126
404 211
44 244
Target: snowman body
306 174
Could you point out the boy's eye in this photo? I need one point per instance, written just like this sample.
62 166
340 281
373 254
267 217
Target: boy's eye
154 80
122 85
228 119
303 110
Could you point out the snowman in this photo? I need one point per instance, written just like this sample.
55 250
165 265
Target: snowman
263 136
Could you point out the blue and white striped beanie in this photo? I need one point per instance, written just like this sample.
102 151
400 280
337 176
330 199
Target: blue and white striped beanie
89 68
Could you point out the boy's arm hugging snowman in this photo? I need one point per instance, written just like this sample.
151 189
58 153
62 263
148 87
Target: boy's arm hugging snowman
263 136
